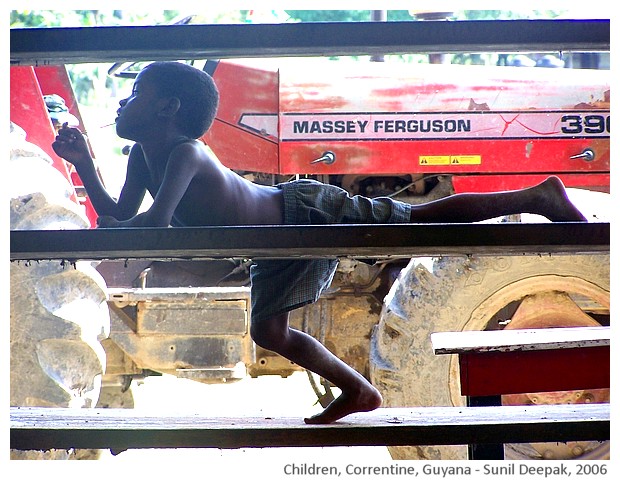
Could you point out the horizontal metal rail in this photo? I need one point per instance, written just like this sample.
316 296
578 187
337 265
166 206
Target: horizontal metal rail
311 241
44 428
58 45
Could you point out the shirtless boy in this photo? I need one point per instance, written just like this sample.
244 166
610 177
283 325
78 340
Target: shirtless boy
173 104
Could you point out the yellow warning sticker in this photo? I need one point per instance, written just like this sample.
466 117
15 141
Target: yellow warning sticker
465 159
434 160
450 159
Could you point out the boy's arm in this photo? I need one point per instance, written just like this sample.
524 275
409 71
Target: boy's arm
182 167
71 145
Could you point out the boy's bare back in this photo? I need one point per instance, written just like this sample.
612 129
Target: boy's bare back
214 195
218 196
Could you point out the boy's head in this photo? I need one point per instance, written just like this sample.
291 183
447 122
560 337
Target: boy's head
195 89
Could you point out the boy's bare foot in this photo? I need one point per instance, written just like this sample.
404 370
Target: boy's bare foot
555 203
348 403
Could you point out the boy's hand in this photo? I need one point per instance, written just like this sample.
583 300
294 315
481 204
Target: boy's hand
71 145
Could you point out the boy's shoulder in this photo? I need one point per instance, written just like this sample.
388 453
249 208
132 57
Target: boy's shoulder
187 148
181 141
194 151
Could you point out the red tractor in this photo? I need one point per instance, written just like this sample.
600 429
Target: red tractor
412 131
393 129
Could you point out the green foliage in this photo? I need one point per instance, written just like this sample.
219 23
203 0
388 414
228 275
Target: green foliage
344 15
329 15
88 18
505 14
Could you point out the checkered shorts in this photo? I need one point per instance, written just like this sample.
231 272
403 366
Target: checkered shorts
279 286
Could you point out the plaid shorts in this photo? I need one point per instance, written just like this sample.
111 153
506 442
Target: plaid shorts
280 286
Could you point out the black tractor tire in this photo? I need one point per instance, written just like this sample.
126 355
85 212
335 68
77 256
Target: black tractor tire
58 311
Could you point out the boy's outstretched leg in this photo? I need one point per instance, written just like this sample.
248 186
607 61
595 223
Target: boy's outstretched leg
358 394
548 199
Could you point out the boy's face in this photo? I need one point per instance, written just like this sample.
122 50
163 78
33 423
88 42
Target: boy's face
137 113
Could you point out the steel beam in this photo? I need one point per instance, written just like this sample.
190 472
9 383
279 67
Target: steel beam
45 46
305 241
39 428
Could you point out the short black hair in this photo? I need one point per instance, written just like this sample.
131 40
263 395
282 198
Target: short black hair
195 89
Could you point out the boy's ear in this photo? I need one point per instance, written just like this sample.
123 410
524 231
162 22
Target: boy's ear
169 106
